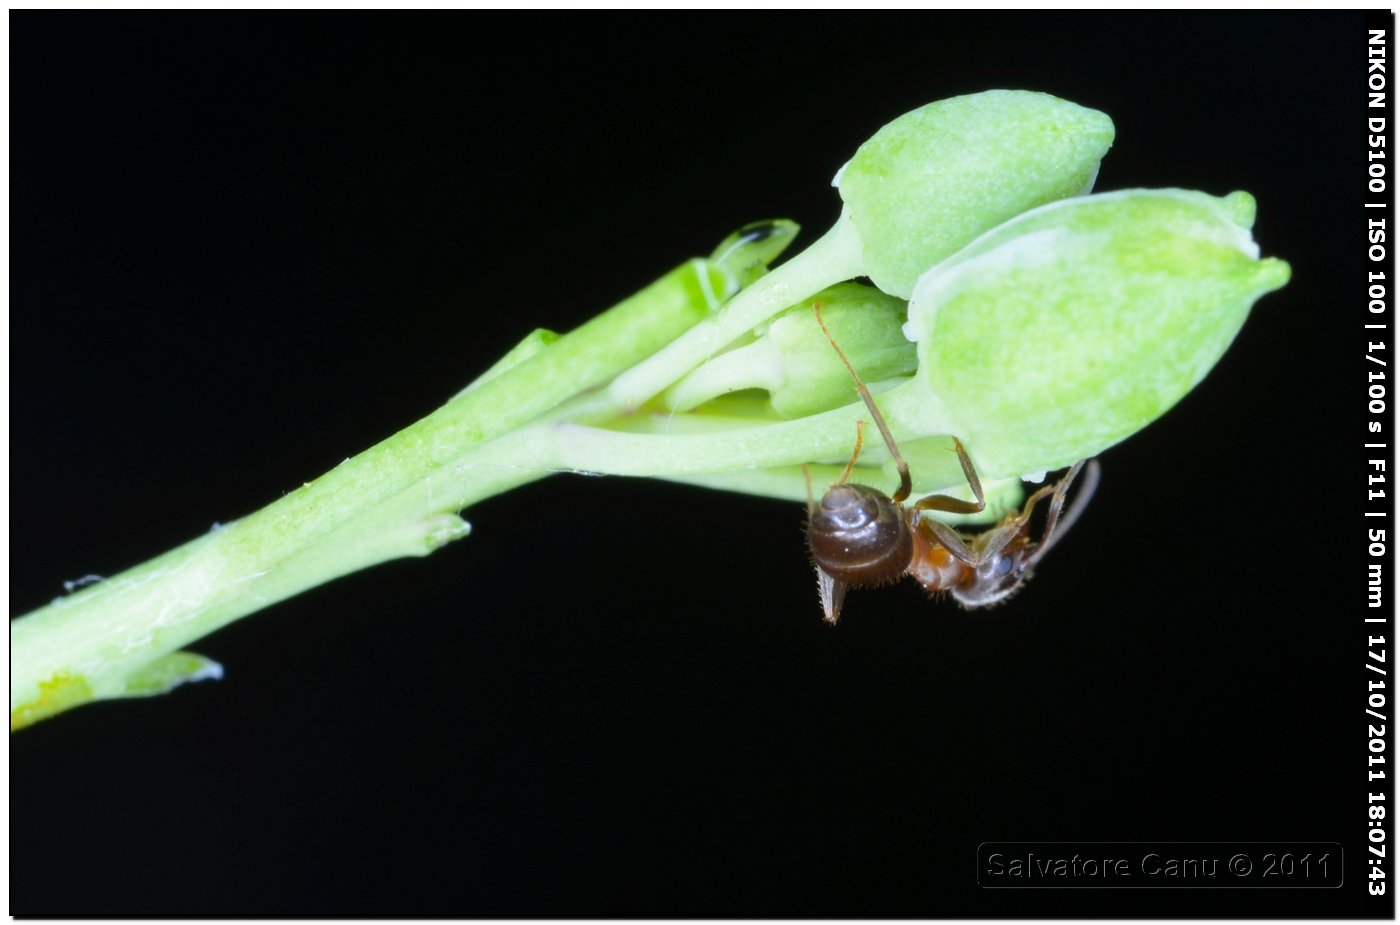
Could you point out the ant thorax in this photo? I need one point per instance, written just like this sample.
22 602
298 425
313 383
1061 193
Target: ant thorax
984 569
932 565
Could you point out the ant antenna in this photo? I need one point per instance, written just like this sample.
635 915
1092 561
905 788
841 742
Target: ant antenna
905 486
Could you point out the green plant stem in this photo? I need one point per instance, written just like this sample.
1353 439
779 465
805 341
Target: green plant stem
822 437
92 644
535 412
832 258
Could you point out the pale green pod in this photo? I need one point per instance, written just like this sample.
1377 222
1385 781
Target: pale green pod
1072 326
934 179
867 325
795 363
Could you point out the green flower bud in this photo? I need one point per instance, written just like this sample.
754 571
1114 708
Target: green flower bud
864 321
794 361
1070 327
934 179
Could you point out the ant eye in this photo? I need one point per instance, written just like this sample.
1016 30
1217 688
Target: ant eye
1004 566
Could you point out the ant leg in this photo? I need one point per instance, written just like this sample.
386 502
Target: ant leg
995 540
905 486
860 441
946 535
832 592
1086 491
949 539
1057 503
956 505
811 505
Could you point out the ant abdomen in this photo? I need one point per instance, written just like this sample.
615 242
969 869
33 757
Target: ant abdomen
859 536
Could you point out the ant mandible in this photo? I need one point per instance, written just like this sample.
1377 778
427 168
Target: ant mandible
859 537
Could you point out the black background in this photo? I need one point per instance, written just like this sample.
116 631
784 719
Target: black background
246 246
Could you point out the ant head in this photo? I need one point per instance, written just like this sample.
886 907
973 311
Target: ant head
1010 552
859 536
998 577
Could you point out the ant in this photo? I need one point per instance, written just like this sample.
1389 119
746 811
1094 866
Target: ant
859 537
